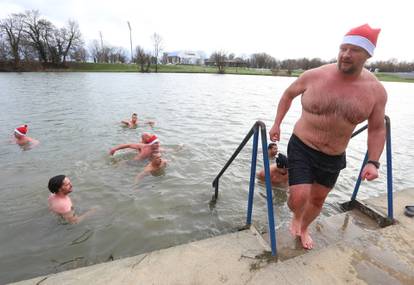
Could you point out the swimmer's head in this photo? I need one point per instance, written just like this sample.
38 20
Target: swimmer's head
272 149
156 159
20 131
153 139
55 183
134 117
18 136
145 137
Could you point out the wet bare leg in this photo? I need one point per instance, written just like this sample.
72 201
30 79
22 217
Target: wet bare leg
298 195
295 227
311 210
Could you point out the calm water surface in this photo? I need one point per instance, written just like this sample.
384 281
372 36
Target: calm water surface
200 120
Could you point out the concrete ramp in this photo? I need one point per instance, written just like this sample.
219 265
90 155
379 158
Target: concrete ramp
350 249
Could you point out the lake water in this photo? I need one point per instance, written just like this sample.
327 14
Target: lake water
200 120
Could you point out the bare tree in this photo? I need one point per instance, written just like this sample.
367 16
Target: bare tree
12 27
142 59
289 65
78 54
118 55
262 60
95 51
37 31
158 47
71 39
219 58
3 48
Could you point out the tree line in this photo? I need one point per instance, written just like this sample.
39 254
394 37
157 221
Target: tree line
29 39
26 37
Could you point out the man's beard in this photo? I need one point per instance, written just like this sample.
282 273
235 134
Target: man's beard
350 70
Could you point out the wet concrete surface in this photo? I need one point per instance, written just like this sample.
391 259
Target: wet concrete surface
324 231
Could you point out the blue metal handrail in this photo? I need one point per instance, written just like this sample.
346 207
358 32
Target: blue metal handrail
254 131
389 168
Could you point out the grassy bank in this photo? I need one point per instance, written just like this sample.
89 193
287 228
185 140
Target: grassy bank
119 67
393 77
105 67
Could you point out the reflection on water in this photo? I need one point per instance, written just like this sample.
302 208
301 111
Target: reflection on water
76 118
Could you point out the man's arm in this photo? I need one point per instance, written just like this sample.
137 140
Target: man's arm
376 135
125 122
122 146
34 142
295 89
72 218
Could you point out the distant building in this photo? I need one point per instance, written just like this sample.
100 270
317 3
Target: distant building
184 57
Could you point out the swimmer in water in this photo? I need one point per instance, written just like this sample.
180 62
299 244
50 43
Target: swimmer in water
148 146
278 170
154 167
133 122
60 202
22 139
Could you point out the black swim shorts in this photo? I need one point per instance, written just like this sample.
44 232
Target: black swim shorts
307 165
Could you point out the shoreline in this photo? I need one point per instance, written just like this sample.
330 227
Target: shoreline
134 68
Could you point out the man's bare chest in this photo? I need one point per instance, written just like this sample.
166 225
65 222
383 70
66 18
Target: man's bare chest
347 104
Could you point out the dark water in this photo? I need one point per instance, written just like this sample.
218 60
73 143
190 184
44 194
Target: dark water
76 117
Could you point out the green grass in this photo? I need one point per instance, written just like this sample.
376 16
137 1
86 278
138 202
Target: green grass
104 67
171 68
119 67
392 78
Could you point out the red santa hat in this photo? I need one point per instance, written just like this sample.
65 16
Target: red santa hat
152 140
22 130
363 36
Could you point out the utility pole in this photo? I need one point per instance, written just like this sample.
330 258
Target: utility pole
102 59
130 39
100 34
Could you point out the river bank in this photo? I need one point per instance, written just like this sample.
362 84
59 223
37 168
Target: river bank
121 67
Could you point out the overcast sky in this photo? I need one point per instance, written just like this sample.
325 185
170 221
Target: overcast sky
283 29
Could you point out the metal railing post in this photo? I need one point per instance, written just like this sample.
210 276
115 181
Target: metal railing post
390 206
254 131
272 233
252 176
389 168
236 152
358 182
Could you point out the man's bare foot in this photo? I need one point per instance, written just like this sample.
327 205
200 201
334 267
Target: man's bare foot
306 240
295 227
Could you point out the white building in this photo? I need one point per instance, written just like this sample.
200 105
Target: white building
184 57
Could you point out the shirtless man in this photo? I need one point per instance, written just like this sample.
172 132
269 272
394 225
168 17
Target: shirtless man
148 146
278 169
335 98
133 123
154 167
22 139
60 202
